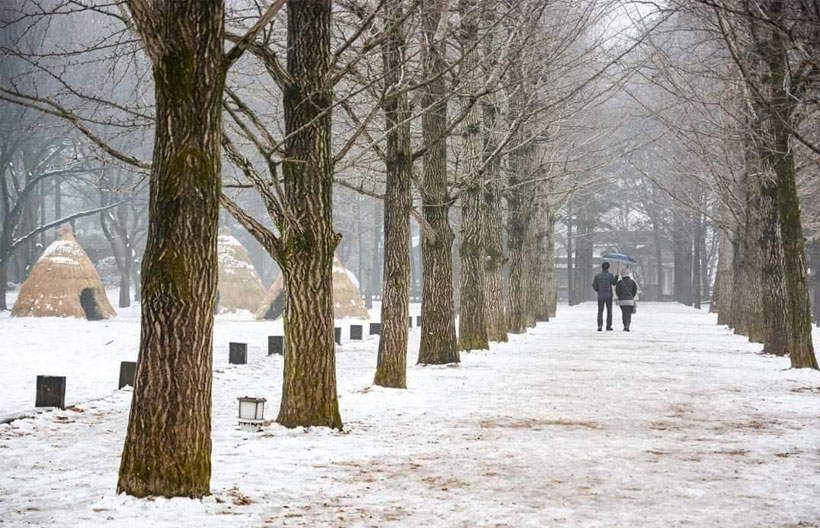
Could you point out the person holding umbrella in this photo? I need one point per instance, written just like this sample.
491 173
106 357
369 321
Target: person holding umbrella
626 290
602 284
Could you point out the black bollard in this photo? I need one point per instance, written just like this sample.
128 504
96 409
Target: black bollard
410 322
50 392
276 345
355 332
375 328
337 334
238 353
128 371
418 321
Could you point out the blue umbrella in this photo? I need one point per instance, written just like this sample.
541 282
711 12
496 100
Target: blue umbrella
618 257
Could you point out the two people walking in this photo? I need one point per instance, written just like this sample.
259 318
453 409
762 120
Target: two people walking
626 289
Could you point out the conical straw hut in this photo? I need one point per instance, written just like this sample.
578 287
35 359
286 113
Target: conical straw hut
63 283
239 285
347 302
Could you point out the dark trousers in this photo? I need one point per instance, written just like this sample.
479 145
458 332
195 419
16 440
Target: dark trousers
626 313
608 304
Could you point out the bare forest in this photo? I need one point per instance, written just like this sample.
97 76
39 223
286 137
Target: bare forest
468 164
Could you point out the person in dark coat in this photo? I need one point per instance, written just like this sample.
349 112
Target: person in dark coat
626 290
603 284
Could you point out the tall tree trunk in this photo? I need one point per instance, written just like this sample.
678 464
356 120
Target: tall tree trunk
658 238
125 289
714 306
705 260
781 159
454 216
724 281
438 337
801 349
4 266
584 247
473 322
696 261
308 242
813 255
517 227
570 261
747 309
373 275
391 369
472 329
167 449
683 260
58 197
136 279
552 286
414 267
775 311
539 283
535 269
360 263
494 258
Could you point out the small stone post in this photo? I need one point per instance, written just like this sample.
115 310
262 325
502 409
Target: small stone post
276 345
50 392
128 371
238 353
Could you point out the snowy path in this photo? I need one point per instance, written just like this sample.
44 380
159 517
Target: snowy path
679 423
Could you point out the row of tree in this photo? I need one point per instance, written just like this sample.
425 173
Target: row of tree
443 110
486 116
736 85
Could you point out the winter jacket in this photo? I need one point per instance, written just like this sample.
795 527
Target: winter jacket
626 290
603 284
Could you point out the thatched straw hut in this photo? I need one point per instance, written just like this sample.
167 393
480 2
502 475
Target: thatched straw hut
239 285
347 302
63 283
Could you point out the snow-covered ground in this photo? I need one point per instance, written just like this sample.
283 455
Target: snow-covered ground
679 423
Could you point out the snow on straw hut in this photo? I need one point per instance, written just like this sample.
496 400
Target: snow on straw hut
239 285
63 283
347 302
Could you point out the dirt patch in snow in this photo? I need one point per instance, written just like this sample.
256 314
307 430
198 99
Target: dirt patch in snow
814 390
536 423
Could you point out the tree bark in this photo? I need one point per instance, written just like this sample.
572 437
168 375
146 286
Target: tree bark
535 269
570 261
308 241
125 289
517 225
391 369
373 270
696 261
775 311
781 159
801 349
4 266
494 258
539 304
747 310
472 329
438 337
683 260
167 449
584 248
552 286
724 281
813 256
